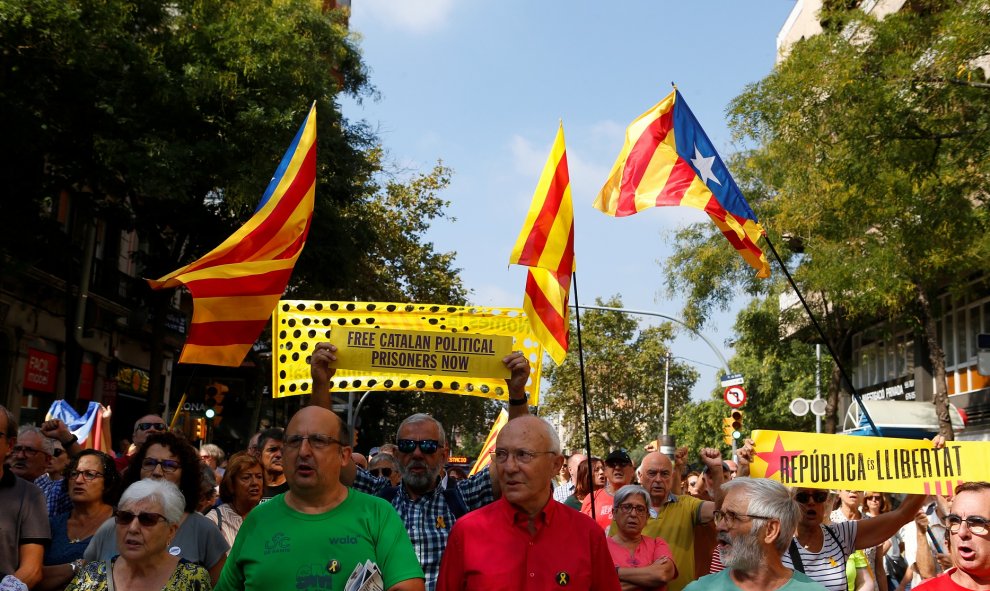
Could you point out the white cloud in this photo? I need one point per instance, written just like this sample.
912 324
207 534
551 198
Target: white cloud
412 16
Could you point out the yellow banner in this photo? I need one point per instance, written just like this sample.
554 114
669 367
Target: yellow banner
298 325
430 353
881 464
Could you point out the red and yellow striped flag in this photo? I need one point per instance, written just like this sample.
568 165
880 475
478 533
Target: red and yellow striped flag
236 286
667 159
485 455
546 246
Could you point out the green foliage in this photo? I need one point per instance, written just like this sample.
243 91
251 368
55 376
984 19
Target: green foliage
624 372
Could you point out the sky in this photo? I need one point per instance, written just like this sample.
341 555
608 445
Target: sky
482 86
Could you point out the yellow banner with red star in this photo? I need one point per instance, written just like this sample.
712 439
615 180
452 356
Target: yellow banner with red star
880 464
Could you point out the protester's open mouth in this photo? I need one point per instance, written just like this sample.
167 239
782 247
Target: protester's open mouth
305 470
965 552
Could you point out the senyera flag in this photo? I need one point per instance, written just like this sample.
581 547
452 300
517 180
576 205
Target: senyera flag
237 285
485 455
546 246
667 159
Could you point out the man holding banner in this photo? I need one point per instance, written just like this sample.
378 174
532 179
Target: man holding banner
969 528
426 501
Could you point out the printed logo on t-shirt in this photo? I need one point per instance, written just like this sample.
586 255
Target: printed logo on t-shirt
278 544
343 540
313 577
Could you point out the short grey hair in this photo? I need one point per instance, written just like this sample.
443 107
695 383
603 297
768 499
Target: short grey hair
629 490
213 451
552 434
164 492
770 498
383 459
422 418
46 444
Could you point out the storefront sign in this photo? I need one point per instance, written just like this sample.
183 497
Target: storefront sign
41 371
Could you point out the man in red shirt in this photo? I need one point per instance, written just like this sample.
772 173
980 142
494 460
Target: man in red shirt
618 473
969 531
526 540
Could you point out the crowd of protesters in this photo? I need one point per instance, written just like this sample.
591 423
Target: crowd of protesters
299 509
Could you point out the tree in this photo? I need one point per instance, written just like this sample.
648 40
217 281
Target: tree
871 155
624 371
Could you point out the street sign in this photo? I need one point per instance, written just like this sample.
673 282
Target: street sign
732 379
735 396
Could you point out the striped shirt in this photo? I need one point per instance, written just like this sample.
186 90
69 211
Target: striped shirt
828 566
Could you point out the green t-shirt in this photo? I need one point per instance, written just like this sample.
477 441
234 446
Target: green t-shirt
721 581
280 548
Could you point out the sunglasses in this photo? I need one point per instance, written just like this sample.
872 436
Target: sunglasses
876 498
386 472
145 519
151 426
615 465
427 446
819 496
167 465
58 452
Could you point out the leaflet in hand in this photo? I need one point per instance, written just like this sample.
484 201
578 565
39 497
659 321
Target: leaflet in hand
366 577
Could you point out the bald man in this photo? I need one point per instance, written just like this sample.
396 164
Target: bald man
317 533
526 540
673 517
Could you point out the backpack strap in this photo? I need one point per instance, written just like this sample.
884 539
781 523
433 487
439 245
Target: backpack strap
455 500
837 542
795 553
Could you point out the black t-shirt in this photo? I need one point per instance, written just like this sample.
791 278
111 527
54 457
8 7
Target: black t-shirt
271 491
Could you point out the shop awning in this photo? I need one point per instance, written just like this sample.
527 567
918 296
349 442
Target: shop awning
899 418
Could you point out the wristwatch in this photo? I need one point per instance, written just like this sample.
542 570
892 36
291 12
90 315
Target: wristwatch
68 444
518 401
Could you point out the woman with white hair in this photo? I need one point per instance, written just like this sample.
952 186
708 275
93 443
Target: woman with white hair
642 563
146 521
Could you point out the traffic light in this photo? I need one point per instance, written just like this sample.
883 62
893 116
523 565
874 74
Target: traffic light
727 430
215 393
737 424
199 428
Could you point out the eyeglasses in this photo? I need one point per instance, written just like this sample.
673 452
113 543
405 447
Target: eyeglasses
427 446
616 465
151 426
630 508
731 517
316 441
978 525
875 498
28 451
386 472
167 465
819 496
521 456
145 519
88 475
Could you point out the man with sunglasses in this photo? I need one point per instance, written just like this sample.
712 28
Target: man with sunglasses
426 501
317 534
618 473
24 530
142 428
385 466
969 543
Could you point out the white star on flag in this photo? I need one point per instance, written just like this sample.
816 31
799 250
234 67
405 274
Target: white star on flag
704 166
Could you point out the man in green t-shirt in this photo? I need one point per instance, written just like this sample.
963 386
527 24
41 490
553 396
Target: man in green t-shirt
755 526
315 535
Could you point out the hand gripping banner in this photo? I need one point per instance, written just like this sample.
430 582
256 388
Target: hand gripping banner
402 346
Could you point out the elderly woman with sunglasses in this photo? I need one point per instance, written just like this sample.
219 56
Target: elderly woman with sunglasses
240 492
642 563
164 456
93 488
145 526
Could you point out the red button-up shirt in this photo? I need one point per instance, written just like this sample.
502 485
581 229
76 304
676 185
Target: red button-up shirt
491 549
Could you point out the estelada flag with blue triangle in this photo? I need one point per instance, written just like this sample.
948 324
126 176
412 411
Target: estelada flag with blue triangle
236 286
667 159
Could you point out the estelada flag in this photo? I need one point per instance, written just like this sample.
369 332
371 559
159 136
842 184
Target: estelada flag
546 246
485 455
667 159
237 285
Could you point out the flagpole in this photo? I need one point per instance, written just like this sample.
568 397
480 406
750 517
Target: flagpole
821 333
584 395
